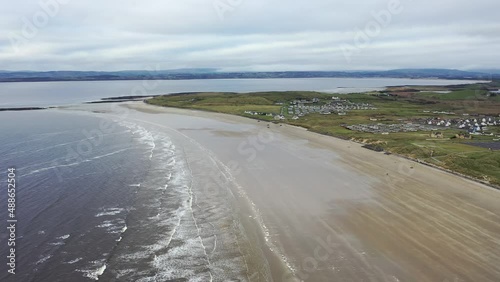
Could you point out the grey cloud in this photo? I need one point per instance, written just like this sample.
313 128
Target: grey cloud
252 35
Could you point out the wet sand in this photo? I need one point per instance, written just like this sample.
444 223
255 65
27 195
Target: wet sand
330 210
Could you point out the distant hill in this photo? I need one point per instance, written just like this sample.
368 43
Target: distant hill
208 73
488 71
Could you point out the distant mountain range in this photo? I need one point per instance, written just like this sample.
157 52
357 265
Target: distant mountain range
28 76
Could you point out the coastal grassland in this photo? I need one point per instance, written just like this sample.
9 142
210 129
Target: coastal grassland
234 103
394 106
473 98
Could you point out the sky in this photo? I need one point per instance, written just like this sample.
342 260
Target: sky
249 35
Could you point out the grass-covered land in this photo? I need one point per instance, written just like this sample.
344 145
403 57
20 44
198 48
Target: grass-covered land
396 105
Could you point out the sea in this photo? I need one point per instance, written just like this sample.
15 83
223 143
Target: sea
101 197
22 94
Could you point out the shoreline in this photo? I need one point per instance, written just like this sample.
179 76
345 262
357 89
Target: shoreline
417 161
249 217
19 109
369 208
403 176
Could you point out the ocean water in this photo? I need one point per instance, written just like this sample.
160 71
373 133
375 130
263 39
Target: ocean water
79 185
100 197
24 94
74 192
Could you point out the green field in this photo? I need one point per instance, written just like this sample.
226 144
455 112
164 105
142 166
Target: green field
394 106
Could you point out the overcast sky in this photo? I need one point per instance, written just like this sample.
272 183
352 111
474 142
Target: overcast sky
249 35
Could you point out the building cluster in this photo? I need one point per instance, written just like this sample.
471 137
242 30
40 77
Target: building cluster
471 125
441 112
391 128
258 113
275 116
300 108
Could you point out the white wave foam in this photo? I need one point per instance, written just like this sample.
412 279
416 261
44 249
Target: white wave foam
145 136
106 224
64 237
73 164
115 226
73 261
94 273
43 259
195 248
109 154
64 144
110 211
51 167
57 244
257 215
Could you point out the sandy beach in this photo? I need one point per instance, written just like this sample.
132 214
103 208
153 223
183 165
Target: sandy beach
317 208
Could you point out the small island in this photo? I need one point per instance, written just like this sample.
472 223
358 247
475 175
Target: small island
18 109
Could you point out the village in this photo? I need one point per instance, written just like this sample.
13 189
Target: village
476 125
385 129
469 124
300 108
470 127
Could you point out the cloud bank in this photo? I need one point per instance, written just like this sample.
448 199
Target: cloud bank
244 35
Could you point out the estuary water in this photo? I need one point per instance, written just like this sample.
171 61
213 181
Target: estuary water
34 94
